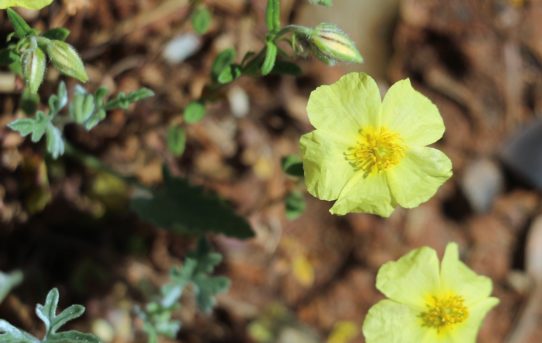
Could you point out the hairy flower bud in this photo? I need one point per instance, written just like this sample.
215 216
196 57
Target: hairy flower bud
34 69
66 60
331 44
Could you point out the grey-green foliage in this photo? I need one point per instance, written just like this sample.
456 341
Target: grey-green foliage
85 109
181 207
197 273
53 323
8 282
42 123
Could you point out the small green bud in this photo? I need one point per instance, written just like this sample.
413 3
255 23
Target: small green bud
66 60
331 44
34 69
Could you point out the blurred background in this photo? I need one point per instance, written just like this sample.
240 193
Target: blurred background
305 280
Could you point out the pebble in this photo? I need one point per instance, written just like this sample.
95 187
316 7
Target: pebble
522 154
481 183
181 47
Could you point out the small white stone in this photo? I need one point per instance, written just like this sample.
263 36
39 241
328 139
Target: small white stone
239 102
179 48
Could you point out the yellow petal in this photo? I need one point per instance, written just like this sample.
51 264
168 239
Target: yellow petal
345 106
411 114
392 322
468 332
368 194
457 277
31 4
326 169
411 278
418 176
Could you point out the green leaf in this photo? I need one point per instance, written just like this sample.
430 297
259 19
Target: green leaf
292 165
125 100
223 60
73 337
229 74
24 126
10 334
55 141
53 322
82 106
286 68
59 33
270 57
295 205
327 3
194 112
36 126
201 19
59 100
184 208
272 16
22 29
8 282
195 271
176 140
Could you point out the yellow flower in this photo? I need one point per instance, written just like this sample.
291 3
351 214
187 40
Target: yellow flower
371 155
31 4
428 304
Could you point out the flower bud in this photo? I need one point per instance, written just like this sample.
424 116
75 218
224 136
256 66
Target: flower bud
66 60
34 69
331 44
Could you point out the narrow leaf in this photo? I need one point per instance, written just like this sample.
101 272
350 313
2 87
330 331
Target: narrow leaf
272 15
270 58
21 28
59 33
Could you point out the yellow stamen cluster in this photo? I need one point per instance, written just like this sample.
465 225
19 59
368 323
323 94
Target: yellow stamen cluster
443 312
376 150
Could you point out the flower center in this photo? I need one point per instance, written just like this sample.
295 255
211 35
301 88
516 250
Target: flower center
443 312
376 150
